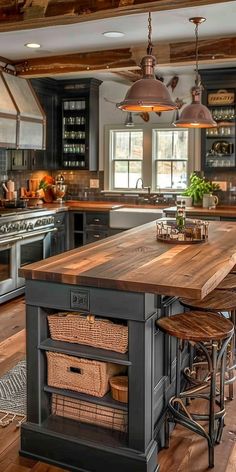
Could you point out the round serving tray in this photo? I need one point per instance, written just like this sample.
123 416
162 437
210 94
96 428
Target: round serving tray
178 241
167 231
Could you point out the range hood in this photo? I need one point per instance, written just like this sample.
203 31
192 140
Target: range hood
22 120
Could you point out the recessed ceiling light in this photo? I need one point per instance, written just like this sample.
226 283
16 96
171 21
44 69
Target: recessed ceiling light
113 34
33 45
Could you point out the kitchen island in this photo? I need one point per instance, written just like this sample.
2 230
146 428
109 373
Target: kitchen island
129 277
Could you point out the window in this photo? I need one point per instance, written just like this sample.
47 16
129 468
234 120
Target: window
162 156
170 154
126 150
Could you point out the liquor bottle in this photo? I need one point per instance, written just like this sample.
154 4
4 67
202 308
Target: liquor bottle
180 215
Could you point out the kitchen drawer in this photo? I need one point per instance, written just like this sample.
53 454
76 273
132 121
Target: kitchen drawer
92 236
97 219
60 218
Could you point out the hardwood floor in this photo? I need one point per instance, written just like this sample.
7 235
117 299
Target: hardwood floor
187 451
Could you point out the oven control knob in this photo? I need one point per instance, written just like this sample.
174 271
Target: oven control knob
3 229
30 226
38 223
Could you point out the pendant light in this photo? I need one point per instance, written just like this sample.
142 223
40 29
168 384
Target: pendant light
147 94
196 115
129 120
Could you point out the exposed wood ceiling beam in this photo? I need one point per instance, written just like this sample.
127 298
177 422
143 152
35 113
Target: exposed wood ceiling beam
27 14
181 53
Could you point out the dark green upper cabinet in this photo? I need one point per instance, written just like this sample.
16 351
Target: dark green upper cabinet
218 144
79 104
47 92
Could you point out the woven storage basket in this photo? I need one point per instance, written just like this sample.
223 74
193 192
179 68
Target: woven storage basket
76 328
221 97
87 412
80 375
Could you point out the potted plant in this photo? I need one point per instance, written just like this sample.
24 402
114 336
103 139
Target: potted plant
198 187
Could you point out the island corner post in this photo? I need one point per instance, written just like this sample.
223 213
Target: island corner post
128 277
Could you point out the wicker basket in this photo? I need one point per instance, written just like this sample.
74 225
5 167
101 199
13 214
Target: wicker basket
119 388
221 97
77 328
91 413
80 375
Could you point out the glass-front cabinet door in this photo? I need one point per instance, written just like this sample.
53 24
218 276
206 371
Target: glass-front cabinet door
220 141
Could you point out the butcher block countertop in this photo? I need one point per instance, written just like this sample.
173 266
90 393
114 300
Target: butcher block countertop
224 211
135 261
92 206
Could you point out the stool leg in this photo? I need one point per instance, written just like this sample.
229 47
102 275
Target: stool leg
212 405
222 397
232 349
178 367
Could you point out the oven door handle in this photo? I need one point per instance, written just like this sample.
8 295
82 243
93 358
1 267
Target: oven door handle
10 240
38 233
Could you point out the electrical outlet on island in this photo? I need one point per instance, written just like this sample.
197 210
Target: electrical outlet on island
94 183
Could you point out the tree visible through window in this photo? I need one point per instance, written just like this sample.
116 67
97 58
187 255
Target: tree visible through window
170 153
127 157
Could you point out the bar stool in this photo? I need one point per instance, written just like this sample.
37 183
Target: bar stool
200 327
219 301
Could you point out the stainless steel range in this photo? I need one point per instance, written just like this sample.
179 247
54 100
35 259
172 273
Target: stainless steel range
25 237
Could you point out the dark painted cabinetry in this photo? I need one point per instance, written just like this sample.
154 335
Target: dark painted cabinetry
59 242
88 227
47 91
80 123
150 363
218 144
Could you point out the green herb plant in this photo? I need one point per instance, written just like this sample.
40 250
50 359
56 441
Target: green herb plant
198 187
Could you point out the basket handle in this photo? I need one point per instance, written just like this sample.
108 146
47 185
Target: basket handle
75 370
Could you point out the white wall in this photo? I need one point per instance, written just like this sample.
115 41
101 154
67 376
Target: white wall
115 91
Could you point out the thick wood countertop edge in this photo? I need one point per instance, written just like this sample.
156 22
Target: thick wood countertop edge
134 261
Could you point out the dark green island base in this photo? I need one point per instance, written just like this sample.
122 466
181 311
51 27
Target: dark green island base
129 277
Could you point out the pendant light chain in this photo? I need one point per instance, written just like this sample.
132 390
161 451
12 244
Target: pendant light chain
197 82
150 45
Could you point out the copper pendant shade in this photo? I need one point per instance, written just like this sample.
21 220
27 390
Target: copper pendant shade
147 94
196 115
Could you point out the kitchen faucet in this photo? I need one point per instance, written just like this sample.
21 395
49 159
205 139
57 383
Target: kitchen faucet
141 180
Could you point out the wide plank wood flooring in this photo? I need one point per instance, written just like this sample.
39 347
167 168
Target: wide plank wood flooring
187 451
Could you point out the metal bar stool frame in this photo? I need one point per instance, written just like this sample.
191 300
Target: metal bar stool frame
231 368
177 411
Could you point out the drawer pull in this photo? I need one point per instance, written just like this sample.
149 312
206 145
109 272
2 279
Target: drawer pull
76 370
97 220
96 236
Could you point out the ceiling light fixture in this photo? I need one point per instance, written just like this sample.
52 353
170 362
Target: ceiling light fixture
33 45
196 115
113 34
147 94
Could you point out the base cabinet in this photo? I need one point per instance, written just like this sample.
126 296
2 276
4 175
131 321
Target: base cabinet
150 364
59 242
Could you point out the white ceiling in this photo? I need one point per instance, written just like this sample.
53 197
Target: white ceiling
172 25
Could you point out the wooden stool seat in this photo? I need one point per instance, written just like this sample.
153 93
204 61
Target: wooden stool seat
200 327
197 326
216 301
229 282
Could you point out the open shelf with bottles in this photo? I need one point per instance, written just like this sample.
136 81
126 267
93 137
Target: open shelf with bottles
218 144
75 133
79 105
